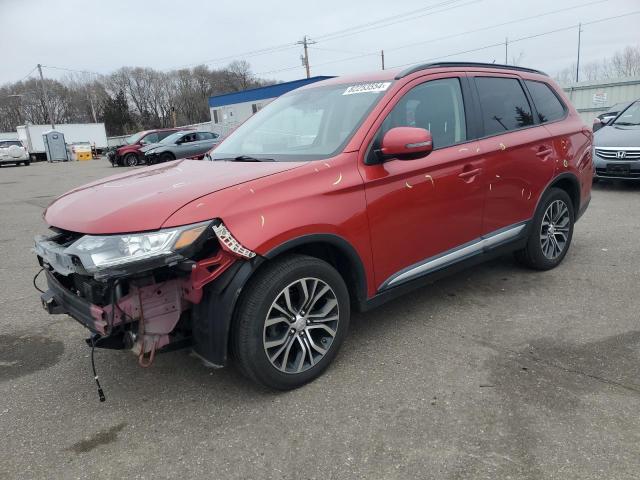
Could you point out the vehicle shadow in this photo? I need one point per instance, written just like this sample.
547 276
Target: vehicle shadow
180 372
616 186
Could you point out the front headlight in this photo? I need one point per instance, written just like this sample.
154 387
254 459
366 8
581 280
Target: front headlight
97 252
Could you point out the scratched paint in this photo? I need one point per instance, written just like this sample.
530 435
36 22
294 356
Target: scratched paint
430 178
408 185
262 221
338 180
502 146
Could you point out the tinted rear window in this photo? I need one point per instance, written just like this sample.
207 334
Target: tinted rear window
547 104
504 105
8 143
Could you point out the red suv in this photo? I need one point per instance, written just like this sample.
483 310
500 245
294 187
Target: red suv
335 197
129 154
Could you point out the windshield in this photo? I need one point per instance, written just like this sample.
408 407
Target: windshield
8 143
135 138
630 117
308 124
172 138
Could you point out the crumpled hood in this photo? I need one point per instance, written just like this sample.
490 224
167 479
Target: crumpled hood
612 136
144 199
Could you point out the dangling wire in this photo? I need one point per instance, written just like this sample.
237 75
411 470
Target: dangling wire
93 366
35 278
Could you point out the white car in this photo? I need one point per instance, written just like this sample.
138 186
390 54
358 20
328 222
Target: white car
12 151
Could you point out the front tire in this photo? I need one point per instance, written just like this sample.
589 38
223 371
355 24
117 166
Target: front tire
290 322
167 157
130 160
551 232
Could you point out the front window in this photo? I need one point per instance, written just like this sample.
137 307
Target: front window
630 117
135 138
173 138
308 124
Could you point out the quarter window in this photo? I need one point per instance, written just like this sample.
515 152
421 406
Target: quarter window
435 106
547 104
504 105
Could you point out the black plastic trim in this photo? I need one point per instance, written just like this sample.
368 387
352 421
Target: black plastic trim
213 315
59 300
337 241
392 293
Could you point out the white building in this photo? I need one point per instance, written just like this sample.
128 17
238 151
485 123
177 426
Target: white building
231 109
593 98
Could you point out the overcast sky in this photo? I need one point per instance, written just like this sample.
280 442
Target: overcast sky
101 36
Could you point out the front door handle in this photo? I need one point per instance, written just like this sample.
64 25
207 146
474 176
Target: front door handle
468 174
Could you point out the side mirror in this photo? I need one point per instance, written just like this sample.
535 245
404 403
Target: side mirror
143 142
406 143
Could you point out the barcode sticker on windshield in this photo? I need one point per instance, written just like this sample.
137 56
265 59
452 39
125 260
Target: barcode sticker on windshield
367 87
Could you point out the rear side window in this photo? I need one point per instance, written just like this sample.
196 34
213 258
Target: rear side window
547 104
205 136
504 105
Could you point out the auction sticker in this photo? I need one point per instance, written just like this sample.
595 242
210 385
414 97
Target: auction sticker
367 87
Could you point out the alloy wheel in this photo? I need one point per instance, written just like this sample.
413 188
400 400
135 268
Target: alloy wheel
131 160
301 325
554 231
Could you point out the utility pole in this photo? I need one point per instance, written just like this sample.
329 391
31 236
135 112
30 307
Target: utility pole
305 42
382 57
93 109
578 61
506 50
46 97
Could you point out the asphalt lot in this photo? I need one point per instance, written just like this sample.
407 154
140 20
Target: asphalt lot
497 372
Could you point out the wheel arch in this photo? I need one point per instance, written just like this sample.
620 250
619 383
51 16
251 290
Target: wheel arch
334 250
570 184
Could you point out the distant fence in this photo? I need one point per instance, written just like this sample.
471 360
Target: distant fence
222 130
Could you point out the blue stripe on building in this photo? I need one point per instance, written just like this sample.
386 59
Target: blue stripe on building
261 93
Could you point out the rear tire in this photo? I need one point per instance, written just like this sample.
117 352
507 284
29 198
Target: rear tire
275 342
551 232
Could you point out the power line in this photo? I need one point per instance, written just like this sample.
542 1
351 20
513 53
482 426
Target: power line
497 25
339 33
27 75
571 27
394 19
249 54
489 27
73 70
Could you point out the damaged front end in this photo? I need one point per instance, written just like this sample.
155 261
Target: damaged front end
138 291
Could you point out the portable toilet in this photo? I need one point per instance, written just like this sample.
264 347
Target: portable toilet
55 146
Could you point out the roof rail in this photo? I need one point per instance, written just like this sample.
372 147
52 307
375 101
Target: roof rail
425 66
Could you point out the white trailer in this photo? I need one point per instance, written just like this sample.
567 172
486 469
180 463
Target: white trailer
94 133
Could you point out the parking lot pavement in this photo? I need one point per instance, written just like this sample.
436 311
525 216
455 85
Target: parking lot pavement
496 372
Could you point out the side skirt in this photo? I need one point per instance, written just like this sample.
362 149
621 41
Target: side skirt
499 243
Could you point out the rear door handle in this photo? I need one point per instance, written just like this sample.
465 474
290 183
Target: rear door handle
544 152
466 174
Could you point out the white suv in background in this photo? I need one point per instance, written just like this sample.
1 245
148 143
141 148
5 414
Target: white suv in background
12 151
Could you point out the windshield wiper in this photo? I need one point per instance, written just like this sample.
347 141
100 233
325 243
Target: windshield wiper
248 158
